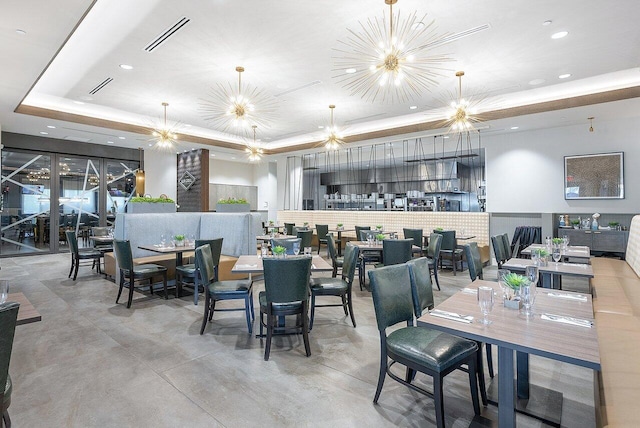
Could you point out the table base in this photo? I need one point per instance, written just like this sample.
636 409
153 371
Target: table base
543 404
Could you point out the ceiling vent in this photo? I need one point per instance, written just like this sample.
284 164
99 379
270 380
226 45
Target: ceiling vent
365 118
101 85
307 85
162 37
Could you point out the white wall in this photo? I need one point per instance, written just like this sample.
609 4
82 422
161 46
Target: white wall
228 172
266 179
525 170
161 170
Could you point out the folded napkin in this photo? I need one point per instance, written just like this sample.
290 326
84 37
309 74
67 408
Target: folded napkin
245 266
452 316
567 320
313 266
468 290
570 296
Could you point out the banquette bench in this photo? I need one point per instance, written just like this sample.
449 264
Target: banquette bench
238 230
616 305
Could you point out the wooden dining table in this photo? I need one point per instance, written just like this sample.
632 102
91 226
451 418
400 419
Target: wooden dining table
553 272
250 264
27 313
169 250
339 240
511 331
581 253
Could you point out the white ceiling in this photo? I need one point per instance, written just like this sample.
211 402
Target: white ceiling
290 44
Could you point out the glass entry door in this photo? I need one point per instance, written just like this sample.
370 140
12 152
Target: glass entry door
121 186
25 202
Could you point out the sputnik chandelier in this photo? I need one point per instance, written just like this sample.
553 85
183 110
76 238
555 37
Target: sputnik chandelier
254 150
233 108
390 59
462 112
334 138
164 136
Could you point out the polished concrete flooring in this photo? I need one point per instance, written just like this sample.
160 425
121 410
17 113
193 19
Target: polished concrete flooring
92 363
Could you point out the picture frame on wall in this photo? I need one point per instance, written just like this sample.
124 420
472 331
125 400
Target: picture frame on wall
594 176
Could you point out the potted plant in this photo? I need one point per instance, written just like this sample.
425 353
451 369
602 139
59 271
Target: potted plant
575 224
439 229
340 226
556 241
144 204
614 225
380 237
540 256
305 224
179 240
379 227
271 223
511 284
279 251
233 205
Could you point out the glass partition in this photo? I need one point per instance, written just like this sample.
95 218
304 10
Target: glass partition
121 185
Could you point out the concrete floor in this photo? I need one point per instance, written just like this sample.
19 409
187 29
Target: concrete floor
92 363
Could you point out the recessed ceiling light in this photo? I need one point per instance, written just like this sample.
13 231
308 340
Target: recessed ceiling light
350 70
122 138
79 102
547 22
514 127
150 144
126 67
21 32
446 137
413 107
320 127
44 133
564 76
51 127
232 157
535 82
213 155
559 34
109 142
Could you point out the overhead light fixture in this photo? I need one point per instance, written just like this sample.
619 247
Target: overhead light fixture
126 67
122 138
547 22
140 176
233 109
559 34
591 123
21 32
350 70
462 111
254 151
391 58
515 127
334 138
564 76
64 169
44 133
164 136
51 127
413 107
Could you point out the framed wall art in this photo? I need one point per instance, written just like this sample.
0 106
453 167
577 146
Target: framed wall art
596 176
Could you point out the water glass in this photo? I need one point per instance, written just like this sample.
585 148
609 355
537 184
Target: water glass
192 239
264 249
4 290
485 300
505 289
296 248
307 251
531 272
163 240
528 297
556 253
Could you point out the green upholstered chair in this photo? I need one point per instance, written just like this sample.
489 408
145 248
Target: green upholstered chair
498 250
333 253
418 240
507 247
287 243
422 292
306 236
449 249
288 228
339 287
286 284
365 256
188 276
322 230
419 349
396 251
78 254
8 317
214 290
101 231
433 255
130 273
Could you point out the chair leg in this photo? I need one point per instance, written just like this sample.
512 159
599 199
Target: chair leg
164 285
253 313
439 401
6 419
382 372
473 384
75 272
247 312
350 305
121 287
435 276
72 265
409 375
131 280
196 289
267 346
206 312
305 327
178 291
313 309
489 360
480 371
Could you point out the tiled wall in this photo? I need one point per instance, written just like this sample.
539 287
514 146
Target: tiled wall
472 223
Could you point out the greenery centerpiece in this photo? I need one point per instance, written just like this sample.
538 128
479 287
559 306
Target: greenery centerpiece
379 227
279 251
179 240
540 256
614 225
511 284
556 241
380 237
439 229
147 204
233 205
340 226
575 224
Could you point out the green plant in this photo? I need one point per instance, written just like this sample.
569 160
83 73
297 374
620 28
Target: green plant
179 238
439 229
232 201
557 241
380 237
575 222
379 227
540 252
613 223
279 250
152 200
340 224
514 281
305 224
271 223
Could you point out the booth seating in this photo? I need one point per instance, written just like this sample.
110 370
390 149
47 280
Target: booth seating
616 305
239 231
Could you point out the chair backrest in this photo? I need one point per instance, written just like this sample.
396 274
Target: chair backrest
506 246
415 234
364 234
205 265
421 289
391 292
72 240
396 251
287 280
305 236
100 231
216 248
359 229
448 239
322 230
472 254
123 254
435 243
288 228
8 317
498 248
351 253
331 245
287 243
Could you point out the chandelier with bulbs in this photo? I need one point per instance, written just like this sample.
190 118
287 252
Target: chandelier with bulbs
334 138
390 59
254 151
164 136
462 113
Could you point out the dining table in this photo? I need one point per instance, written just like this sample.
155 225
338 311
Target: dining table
579 253
561 328
27 313
250 264
168 249
339 240
551 273
102 239
268 238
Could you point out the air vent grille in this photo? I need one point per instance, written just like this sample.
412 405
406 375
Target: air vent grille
166 34
101 85
306 85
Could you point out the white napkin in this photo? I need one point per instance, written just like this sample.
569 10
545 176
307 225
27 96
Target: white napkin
567 320
245 266
468 290
451 316
579 297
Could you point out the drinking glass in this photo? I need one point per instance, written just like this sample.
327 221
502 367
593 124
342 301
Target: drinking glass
192 239
556 253
307 251
4 290
264 249
531 272
505 289
296 248
163 240
528 297
485 300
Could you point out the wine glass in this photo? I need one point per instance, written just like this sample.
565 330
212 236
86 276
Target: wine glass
4 290
531 272
163 240
528 297
556 254
485 300
296 248
503 286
